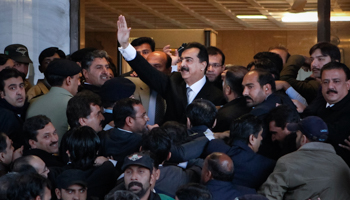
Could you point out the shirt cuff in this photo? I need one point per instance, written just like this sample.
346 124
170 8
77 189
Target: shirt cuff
209 134
129 53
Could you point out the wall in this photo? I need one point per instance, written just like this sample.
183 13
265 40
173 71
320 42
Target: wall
36 24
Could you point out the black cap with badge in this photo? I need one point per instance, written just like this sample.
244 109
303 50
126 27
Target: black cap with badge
71 177
141 158
18 53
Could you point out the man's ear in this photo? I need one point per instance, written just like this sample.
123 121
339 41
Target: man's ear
140 149
32 143
2 157
68 80
58 193
169 156
227 90
267 89
85 73
204 65
188 123
82 121
129 121
347 84
304 140
214 124
68 154
2 94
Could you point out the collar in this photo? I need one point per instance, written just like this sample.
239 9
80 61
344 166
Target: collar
124 130
108 111
197 86
329 105
318 146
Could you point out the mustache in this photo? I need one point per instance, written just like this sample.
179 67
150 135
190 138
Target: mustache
330 90
247 97
184 69
135 183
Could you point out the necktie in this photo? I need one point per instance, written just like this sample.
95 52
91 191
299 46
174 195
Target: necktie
189 92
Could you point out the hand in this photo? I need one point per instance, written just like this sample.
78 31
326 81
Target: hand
100 160
221 135
134 74
174 58
18 153
282 85
308 60
123 32
300 107
150 127
347 144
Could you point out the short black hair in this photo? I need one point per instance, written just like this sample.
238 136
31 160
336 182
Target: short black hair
122 109
282 115
121 195
21 165
270 61
3 58
177 132
202 54
218 172
234 78
28 186
193 191
244 126
269 66
281 47
32 125
3 144
48 52
201 112
79 106
158 142
327 49
265 77
142 40
83 145
55 80
214 51
90 57
8 73
336 65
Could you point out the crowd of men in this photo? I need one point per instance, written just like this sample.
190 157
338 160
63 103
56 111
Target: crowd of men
178 126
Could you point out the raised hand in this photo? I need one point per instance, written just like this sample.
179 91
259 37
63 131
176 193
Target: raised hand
123 33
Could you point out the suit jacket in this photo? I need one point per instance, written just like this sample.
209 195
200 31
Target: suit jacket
307 88
172 177
227 190
229 112
337 119
49 159
173 89
312 172
11 121
54 106
119 143
142 91
251 169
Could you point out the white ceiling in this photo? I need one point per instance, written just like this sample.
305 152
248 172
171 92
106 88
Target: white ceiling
101 15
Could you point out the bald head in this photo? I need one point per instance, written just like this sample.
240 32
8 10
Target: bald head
161 61
218 166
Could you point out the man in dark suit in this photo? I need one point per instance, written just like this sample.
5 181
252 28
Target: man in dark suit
251 169
178 89
130 120
236 106
333 106
217 175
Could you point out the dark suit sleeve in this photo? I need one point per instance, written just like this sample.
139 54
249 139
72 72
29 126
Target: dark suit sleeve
155 79
188 150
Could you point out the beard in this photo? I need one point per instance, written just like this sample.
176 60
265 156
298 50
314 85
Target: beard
141 192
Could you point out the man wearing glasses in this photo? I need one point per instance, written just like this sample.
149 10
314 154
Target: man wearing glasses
216 66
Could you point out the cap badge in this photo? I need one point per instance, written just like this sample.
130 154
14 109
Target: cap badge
134 157
21 50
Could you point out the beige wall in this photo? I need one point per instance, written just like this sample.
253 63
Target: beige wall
239 46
